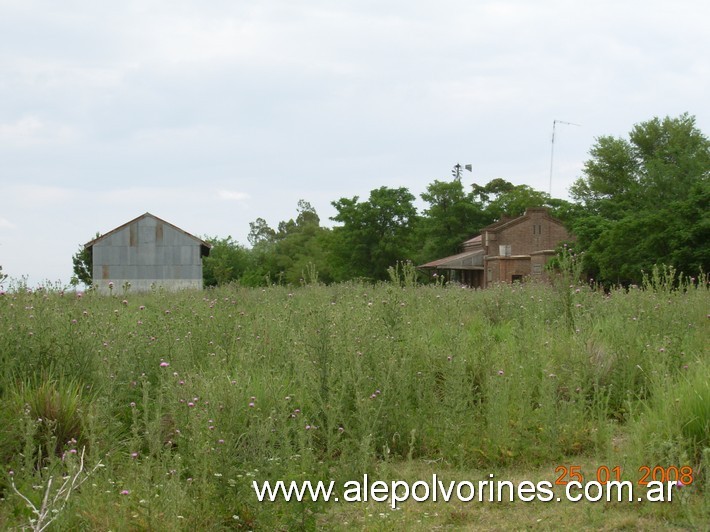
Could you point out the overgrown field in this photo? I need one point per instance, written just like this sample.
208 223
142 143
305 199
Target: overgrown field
182 400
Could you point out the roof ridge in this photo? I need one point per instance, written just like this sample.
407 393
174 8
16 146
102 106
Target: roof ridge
91 243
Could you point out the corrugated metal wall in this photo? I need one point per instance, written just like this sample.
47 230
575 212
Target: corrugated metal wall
147 253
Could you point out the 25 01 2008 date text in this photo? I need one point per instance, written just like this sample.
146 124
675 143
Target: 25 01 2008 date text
605 474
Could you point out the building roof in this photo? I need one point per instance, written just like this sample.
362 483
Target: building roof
475 241
504 223
469 260
204 246
499 223
507 222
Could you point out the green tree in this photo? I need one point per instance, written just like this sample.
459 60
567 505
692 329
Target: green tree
287 254
374 234
451 217
644 201
228 261
260 232
501 198
495 187
82 262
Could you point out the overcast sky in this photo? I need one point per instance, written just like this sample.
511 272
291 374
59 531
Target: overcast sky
212 113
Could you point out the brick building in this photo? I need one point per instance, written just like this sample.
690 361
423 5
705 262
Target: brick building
511 249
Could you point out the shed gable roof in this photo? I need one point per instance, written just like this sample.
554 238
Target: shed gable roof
204 246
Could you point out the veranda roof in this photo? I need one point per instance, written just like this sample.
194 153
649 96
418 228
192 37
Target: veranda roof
468 260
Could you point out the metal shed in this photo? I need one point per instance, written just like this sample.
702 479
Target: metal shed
147 253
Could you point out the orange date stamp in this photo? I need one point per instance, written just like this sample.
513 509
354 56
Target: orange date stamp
682 475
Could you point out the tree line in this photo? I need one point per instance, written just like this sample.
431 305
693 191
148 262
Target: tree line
641 201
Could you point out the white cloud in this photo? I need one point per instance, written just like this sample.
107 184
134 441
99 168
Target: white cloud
35 195
233 195
23 127
31 130
6 224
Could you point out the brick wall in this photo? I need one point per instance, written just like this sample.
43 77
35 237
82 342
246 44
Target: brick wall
505 269
536 232
524 240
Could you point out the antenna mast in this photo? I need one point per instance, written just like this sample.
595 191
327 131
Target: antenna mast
552 150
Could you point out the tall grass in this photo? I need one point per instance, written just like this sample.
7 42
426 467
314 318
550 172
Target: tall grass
186 398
